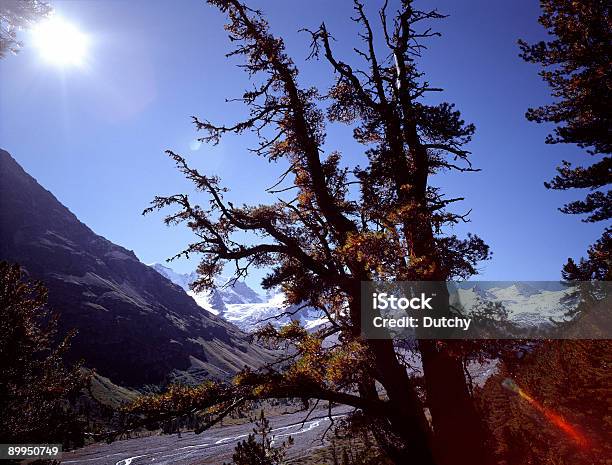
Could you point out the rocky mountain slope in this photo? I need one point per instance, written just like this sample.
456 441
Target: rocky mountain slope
134 326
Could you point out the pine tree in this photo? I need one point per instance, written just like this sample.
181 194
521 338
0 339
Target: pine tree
597 266
259 447
576 66
570 378
321 243
35 384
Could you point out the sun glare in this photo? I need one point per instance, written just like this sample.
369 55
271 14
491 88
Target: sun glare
60 42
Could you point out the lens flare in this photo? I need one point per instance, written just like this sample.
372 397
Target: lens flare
553 417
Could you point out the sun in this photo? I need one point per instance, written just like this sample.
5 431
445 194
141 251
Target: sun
60 42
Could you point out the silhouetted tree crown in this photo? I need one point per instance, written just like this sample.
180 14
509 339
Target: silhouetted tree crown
335 225
576 65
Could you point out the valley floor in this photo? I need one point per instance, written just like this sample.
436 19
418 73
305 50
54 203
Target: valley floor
212 447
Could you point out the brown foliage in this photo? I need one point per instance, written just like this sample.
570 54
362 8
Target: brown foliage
336 225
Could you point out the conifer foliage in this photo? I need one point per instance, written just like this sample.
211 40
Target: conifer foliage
259 448
565 416
35 384
335 225
16 15
576 65
572 381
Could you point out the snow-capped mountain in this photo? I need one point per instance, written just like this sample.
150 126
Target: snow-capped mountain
528 303
182 280
252 315
215 300
241 305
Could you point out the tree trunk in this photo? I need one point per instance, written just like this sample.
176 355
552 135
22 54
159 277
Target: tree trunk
410 440
459 435
458 432
408 419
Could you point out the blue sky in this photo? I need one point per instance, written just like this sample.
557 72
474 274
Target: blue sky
95 136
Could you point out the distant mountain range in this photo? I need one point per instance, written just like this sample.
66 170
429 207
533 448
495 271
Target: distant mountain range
239 304
134 326
529 303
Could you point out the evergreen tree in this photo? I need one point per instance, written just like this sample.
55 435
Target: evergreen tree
35 385
569 379
322 242
576 66
259 447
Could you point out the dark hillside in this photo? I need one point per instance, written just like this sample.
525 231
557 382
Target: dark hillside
134 326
